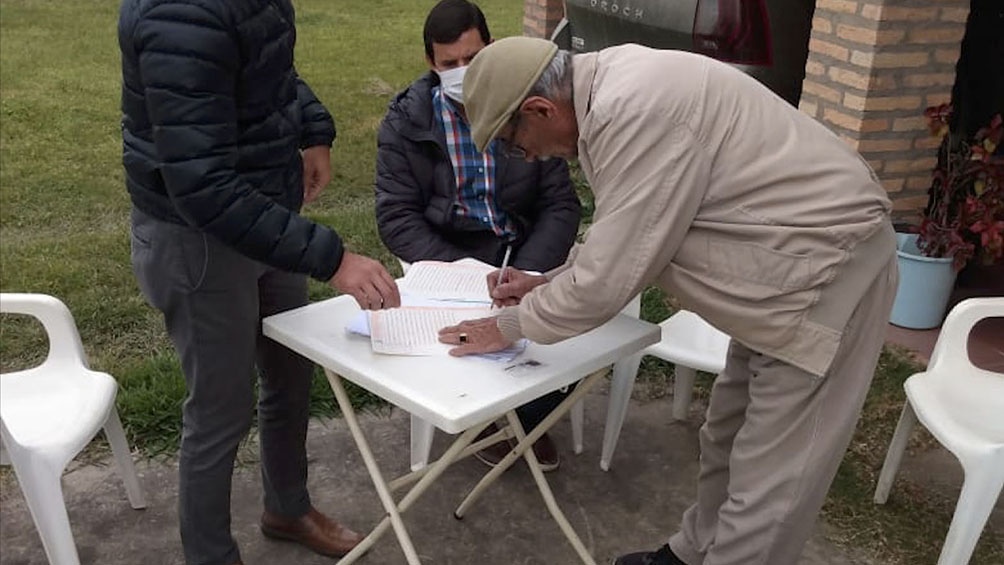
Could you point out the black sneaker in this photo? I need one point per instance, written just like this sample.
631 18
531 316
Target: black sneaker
662 556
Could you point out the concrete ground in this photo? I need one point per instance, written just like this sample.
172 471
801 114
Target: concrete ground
636 505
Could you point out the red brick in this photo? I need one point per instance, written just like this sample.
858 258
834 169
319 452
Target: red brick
844 6
810 108
883 145
862 58
869 36
910 165
928 36
918 182
909 59
918 123
927 142
875 124
882 81
899 13
821 25
854 102
910 203
947 56
923 80
841 119
872 11
849 78
893 103
827 48
938 98
893 185
958 15
814 68
876 165
824 92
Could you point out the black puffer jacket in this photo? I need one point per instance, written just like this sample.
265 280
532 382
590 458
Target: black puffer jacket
214 116
416 189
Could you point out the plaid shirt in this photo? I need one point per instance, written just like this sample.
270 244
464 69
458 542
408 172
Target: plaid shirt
473 171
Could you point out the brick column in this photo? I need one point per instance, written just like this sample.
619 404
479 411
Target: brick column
540 17
873 66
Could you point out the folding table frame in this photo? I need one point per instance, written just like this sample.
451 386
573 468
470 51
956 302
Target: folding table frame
460 448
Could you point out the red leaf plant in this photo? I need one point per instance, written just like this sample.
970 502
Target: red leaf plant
965 212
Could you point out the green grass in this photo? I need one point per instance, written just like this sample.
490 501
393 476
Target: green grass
64 227
64 209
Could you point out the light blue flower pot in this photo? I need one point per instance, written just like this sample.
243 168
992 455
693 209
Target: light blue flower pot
925 285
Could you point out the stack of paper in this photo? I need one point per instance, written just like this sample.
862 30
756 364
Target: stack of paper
434 294
461 281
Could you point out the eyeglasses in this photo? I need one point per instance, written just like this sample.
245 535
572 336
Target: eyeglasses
510 149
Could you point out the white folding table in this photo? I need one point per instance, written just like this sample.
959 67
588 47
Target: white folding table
458 395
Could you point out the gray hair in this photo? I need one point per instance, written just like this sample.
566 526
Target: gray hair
555 83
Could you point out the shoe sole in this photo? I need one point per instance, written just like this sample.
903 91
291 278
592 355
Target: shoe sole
282 536
545 467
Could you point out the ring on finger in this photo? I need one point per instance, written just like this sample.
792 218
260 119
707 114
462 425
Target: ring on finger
463 338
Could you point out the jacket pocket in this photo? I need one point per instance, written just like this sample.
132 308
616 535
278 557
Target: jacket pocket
755 272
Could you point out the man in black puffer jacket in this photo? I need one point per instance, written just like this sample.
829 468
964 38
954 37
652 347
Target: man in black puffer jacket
439 198
215 120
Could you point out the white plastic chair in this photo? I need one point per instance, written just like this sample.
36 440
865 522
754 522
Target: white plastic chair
963 408
687 341
49 413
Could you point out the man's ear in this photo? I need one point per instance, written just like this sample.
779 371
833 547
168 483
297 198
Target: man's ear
432 64
539 106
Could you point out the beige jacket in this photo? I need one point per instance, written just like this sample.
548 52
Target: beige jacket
751 213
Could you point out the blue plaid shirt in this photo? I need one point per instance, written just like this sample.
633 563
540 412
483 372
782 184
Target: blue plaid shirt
473 171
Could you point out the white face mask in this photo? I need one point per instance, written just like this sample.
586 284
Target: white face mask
452 83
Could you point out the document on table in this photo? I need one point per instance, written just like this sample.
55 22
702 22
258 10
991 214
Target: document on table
414 330
460 281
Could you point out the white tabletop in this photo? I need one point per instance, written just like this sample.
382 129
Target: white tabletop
452 393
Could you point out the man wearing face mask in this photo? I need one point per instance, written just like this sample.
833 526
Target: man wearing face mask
439 198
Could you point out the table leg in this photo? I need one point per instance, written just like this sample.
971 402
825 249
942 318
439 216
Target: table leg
471 449
545 491
523 449
378 481
427 476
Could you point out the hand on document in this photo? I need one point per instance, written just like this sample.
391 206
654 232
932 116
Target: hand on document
507 287
367 281
474 336
435 295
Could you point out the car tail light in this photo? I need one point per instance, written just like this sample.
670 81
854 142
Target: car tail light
736 31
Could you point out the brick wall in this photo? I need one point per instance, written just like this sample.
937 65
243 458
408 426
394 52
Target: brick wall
873 67
540 17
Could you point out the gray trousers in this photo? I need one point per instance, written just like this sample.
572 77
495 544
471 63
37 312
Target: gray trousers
213 299
772 442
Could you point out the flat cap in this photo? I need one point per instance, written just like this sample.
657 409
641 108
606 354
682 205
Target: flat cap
499 78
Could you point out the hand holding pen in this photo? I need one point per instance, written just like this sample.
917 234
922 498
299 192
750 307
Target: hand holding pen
507 286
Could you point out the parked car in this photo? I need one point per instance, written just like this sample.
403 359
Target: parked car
768 39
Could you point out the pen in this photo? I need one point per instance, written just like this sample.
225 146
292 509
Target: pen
505 263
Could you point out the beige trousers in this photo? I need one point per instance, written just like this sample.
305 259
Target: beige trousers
772 442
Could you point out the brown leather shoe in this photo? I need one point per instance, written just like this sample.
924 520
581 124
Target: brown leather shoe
313 530
543 448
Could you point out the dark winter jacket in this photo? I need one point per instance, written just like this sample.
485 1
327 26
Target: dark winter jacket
214 117
416 191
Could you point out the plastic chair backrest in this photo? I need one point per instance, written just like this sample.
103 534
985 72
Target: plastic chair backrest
951 352
65 347
970 394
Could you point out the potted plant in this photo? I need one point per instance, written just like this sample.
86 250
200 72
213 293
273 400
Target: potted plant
964 219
